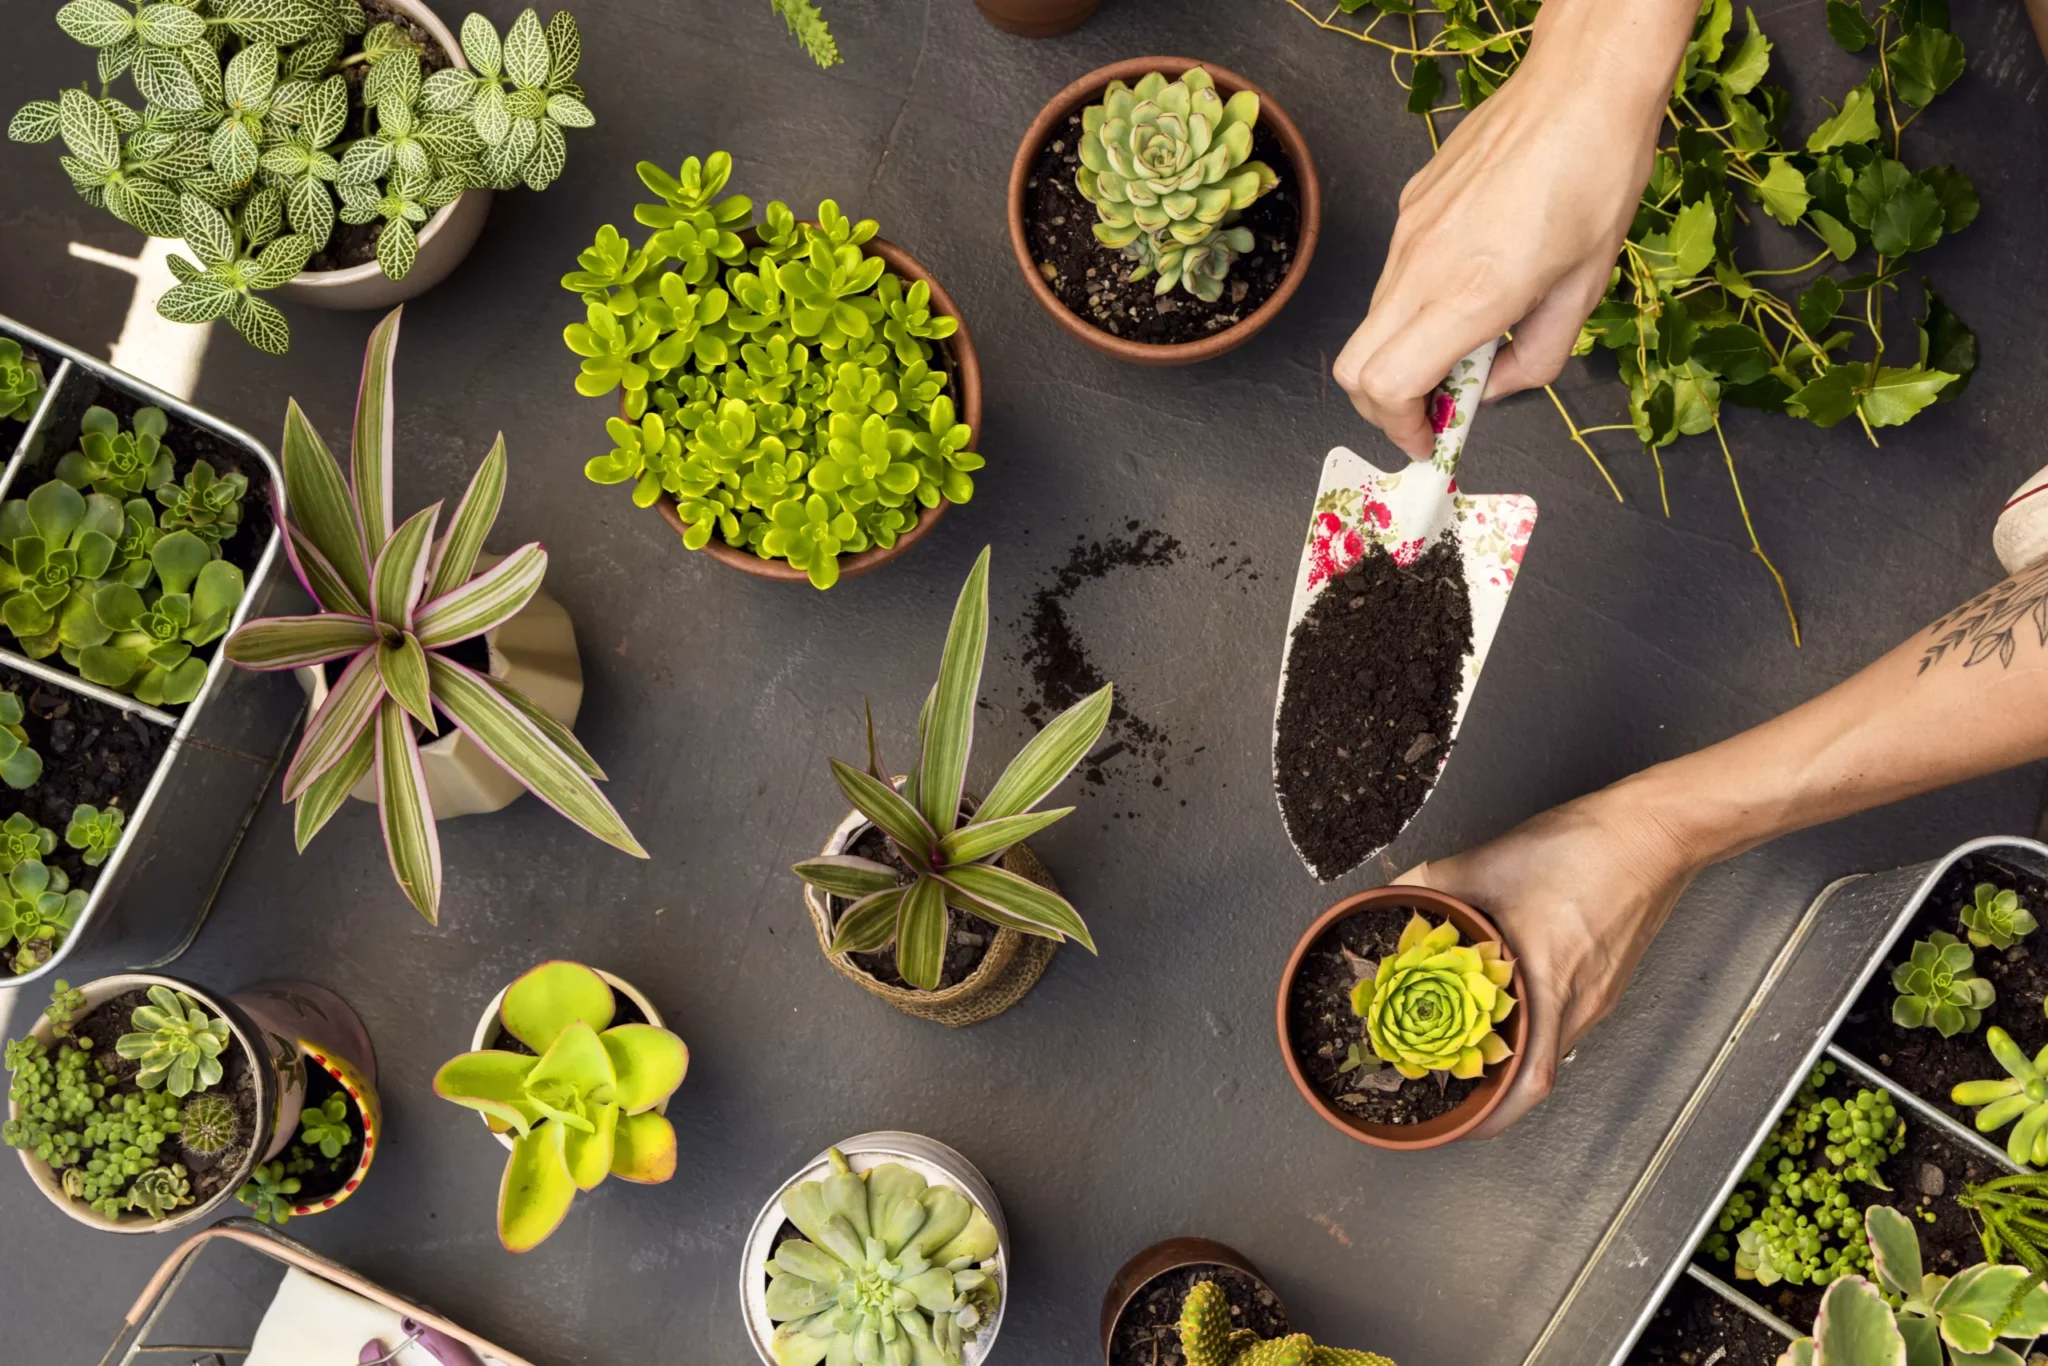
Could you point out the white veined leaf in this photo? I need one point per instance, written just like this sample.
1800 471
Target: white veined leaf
565 49
448 135
184 155
250 76
569 112
289 159
209 186
195 301
509 157
233 152
398 246
260 324
394 117
273 21
145 145
326 111
96 23
313 56
447 90
310 207
396 74
526 51
203 64
347 17
488 115
286 107
36 121
262 218
206 229
169 25
117 58
281 260
411 157
364 164
85 179
441 193
89 132
150 205
183 269
358 202
164 77
480 46
550 156
527 103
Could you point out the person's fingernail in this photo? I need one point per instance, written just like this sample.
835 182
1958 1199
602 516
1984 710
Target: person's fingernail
1568 1057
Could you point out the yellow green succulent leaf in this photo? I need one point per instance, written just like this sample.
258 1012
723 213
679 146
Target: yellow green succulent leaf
1432 1004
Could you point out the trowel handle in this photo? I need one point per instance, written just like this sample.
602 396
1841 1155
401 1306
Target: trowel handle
1452 404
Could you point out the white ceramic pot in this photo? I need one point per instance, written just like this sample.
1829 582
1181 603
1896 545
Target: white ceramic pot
487 1030
444 241
929 1158
2020 537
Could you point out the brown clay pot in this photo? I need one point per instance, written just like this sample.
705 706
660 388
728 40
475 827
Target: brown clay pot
965 366
1036 18
1087 91
1157 1260
1493 1087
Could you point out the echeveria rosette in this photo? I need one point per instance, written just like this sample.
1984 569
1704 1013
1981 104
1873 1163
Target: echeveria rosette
20 765
95 832
392 599
22 840
1433 1003
55 545
176 1043
1938 988
890 1269
147 650
2019 1098
117 463
1994 919
21 382
38 908
584 1103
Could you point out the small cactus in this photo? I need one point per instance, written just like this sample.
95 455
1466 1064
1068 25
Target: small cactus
210 1123
1208 1339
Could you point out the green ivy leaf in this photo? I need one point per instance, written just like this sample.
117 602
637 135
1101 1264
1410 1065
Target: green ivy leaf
1853 124
1925 62
1690 246
1897 393
1848 26
1734 352
1901 213
1750 62
1783 192
1425 86
1947 343
1834 233
1957 193
1819 302
1828 399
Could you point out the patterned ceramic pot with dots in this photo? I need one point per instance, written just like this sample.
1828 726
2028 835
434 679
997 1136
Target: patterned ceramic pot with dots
335 1050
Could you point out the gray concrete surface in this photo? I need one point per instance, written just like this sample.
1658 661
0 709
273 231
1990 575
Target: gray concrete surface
1140 1094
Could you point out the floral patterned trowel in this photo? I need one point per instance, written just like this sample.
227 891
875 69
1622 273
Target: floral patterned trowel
1404 512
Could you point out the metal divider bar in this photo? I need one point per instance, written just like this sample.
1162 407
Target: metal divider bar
1743 1302
1941 1120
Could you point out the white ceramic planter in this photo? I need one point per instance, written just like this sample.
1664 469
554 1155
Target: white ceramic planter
444 241
487 1030
929 1158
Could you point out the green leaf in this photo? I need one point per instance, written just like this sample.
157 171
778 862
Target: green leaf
1734 352
455 557
260 324
89 132
648 1062
544 1001
480 46
401 570
1000 896
536 1191
1691 245
280 261
371 450
196 301
847 875
869 923
295 642
1925 62
403 668
1426 86
1856 1325
1750 62
97 23
274 21
1783 192
1895 1249
949 734
1901 214
1819 302
398 246
1848 26
1958 196
488 600
1834 233
332 730
1832 396
980 839
318 575
407 813
331 789
921 934
1897 393
1947 343
164 76
526 52
891 814
1048 758
36 121
1855 122
492 1083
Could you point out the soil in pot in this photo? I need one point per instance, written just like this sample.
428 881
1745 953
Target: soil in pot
355 244
1373 675
624 1011
1322 1028
319 1175
92 753
1147 1333
1094 281
1920 1059
473 654
1695 1326
968 937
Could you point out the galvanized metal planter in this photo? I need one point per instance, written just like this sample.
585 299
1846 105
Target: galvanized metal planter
224 745
1788 1027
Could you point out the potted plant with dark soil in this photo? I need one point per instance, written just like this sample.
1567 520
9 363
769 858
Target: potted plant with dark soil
1036 18
340 154
927 896
799 399
584 1092
1163 210
1397 1017
1199 1302
888 1245
341 1122
141 1103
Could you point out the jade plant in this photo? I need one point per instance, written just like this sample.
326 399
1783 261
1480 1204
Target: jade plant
176 1043
38 908
1994 919
1431 1005
1208 1337
210 1124
1167 165
20 765
788 395
889 1269
263 124
2020 1095
952 853
21 382
586 1103
392 600
1937 987
94 832
1910 1314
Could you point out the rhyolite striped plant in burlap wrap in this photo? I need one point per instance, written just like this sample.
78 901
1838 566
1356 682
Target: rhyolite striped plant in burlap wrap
1208 1338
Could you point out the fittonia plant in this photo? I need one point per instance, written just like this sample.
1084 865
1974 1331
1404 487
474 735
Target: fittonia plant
585 1103
890 1269
392 599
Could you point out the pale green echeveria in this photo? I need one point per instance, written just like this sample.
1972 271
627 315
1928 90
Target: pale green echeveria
20 765
890 1271
148 651
21 382
117 463
54 547
1200 268
38 908
1169 158
584 1103
176 1042
1937 987
1994 919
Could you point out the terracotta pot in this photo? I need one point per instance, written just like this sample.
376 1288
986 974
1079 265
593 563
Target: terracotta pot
966 393
275 1069
1088 90
1036 18
487 1030
444 241
1493 1086
535 652
1160 1258
330 1036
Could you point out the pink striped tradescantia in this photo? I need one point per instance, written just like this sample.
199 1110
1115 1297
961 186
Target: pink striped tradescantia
391 599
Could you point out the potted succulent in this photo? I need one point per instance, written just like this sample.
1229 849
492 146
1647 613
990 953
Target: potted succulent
887 1246
22 387
1163 210
297 146
141 1103
799 399
584 1094
1142 1309
397 609
928 897
1397 1017
341 1121
1036 18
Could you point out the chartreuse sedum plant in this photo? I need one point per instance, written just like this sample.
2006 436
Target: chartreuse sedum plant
890 1270
585 1103
1432 1004
94 832
176 1043
392 598
264 122
2019 1098
1994 919
953 855
21 381
117 463
1167 165
1209 1338
1937 987
20 765
1911 1315
789 397
270 1193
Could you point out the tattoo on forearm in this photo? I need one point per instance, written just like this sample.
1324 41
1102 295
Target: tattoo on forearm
1991 625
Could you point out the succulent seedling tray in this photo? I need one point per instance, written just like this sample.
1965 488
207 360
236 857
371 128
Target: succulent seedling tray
152 894
1847 940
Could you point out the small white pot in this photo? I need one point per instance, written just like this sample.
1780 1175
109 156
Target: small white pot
929 1158
2020 537
444 241
487 1030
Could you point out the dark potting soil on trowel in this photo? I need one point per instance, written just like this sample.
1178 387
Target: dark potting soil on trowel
1373 674
1148 1334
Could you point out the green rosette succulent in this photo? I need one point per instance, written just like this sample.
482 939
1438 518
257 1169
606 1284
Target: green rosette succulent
1431 1005
2020 1095
160 1190
55 546
147 650
890 1269
207 504
324 1127
176 1043
38 907
21 382
1168 163
117 463
270 1193
94 832
20 765
1208 1337
1937 987
1994 919
21 839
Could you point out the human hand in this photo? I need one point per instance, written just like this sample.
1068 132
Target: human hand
1579 891
1517 221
